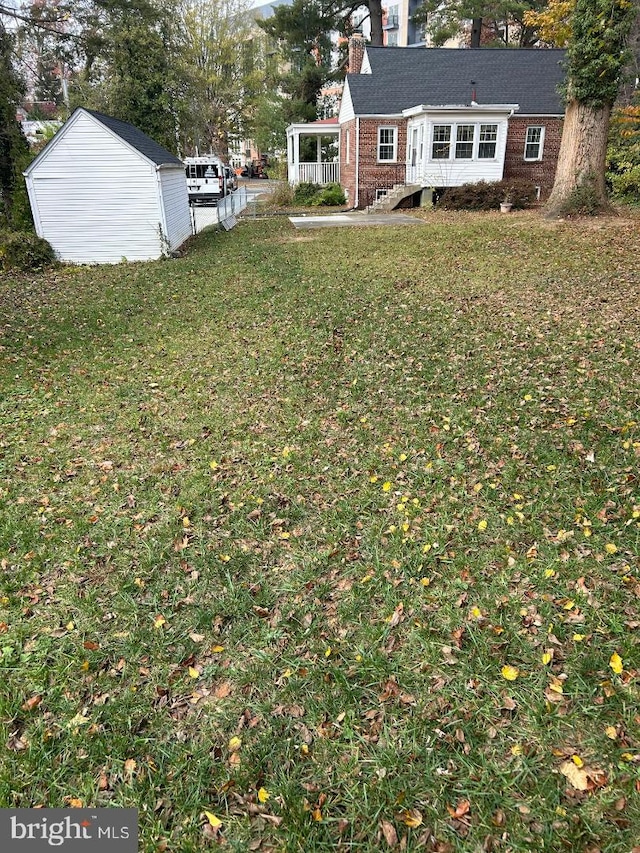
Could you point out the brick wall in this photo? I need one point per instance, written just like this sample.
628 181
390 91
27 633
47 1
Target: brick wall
541 172
348 170
374 175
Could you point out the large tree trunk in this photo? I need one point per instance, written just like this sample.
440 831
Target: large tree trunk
375 16
581 162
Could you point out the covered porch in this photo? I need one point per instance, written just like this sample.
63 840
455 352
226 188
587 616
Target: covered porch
313 150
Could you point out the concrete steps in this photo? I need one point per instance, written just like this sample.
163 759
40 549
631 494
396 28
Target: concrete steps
392 199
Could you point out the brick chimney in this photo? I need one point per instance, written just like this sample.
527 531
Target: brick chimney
356 53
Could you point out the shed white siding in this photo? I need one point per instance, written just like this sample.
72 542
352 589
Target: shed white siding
96 199
175 201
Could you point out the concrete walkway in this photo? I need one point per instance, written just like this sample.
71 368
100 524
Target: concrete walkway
339 220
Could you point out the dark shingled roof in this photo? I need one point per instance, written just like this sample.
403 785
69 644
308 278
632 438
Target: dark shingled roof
403 77
137 139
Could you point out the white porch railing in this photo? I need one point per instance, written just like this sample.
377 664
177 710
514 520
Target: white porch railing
316 173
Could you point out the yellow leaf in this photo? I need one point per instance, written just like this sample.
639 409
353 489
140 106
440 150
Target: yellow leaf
78 720
75 803
70 626
615 663
510 672
193 672
214 821
476 612
186 522
386 486
516 749
546 658
425 581
576 777
477 487
578 638
403 457
610 548
304 749
235 743
316 814
327 652
549 573
482 525
611 732
577 761
411 818
263 795
217 649
569 605
159 621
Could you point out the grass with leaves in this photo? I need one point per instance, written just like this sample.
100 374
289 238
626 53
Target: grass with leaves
329 540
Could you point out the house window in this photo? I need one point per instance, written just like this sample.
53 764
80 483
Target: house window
488 140
347 146
392 39
534 143
387 144
441 146
464 141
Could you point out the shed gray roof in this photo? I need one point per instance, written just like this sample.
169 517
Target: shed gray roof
402 78
137 139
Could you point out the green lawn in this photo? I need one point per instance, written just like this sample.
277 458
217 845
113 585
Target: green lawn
331 535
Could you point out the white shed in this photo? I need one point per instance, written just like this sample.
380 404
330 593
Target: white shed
102 191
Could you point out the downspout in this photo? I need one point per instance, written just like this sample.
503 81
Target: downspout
356 201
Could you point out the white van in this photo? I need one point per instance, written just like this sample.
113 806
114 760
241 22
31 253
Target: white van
206 180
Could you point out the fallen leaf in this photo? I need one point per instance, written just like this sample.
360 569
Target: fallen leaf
397 616
463 808
576 776
410 817
31 703
389 832
263 795
214 821
510 672
615 663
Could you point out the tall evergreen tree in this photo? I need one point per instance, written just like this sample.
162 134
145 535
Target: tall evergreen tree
13 145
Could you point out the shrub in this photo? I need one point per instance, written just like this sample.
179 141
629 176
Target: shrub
24 252
584 200
282 196
306 192
330 196
487 196
626 185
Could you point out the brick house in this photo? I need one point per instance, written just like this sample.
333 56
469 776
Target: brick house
428 119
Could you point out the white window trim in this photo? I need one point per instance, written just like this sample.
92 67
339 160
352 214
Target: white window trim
454 138
540 144
393 128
